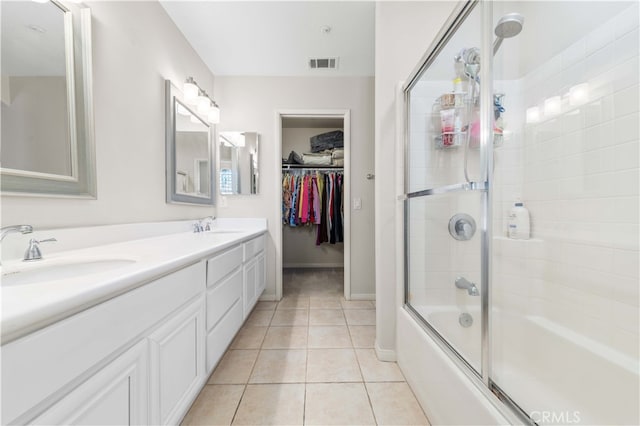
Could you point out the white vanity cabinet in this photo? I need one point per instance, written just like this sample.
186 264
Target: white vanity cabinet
92 366
254 272
116 395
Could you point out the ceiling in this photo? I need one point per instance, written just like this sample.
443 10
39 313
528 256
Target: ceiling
277 38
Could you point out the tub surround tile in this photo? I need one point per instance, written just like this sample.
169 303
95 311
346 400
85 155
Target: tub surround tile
360 316
298 317
395 404
286 337
280 366
374 370
216 405
235 367
332 365
249 338
337 404
271 405
326 317
332 336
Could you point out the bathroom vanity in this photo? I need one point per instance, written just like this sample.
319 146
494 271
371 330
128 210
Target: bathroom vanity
132 344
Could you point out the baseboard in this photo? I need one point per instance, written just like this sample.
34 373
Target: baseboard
363 296
387 355
268 298
313 265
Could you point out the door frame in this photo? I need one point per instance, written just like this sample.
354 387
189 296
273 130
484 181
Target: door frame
345 115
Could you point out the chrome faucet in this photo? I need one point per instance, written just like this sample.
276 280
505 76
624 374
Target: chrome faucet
200 226
463 283
33 251
23 229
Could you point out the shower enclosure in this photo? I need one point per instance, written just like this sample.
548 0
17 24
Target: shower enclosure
522 102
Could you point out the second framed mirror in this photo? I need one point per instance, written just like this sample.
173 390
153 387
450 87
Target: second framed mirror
239 172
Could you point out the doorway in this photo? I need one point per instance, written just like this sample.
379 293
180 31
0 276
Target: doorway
303 264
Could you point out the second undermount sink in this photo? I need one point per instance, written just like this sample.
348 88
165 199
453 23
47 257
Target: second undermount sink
49 270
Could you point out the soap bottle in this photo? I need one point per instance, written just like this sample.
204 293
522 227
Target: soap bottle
518 223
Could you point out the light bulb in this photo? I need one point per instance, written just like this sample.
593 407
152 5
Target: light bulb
533 115
204 104
190 91
552 106
579 94
214 115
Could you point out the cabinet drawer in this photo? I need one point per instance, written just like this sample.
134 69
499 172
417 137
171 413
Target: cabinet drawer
253 247
222 334
219 266
222 297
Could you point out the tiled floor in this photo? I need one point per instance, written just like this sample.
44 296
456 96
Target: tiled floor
308 359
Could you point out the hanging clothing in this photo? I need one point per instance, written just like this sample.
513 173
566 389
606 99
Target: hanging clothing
314 199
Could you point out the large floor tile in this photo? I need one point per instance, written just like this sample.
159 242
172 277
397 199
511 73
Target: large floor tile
330 336
234 367
271 405
249 338
291 317
363 336
286 337
332 365
395 404
326 317
215 405
266 306
259 318
280 366
374 370
294 302
357 304
337 404
319 302
360 316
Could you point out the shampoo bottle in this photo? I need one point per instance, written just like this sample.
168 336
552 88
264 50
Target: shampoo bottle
518 223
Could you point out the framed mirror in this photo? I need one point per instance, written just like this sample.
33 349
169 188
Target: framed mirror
189 152
47 107
239 163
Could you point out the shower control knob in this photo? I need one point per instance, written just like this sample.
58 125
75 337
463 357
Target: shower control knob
462 227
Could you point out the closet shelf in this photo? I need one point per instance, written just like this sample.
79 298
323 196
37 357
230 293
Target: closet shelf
310 167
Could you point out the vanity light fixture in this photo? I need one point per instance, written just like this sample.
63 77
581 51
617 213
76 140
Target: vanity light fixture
579 94
194 95
552 106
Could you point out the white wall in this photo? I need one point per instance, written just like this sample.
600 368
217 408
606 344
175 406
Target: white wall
250 103
136 47
404 31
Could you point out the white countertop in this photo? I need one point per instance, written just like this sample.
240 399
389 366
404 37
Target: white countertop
29 307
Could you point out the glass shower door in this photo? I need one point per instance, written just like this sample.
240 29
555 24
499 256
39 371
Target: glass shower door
445 195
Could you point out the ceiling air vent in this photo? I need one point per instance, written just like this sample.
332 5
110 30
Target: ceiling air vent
323 63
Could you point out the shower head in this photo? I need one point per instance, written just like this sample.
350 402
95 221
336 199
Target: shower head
508 26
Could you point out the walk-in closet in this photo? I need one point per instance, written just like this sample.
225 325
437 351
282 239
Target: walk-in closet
313 193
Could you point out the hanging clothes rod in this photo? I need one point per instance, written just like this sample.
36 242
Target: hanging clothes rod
311 168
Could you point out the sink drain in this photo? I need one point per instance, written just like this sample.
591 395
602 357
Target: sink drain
465 319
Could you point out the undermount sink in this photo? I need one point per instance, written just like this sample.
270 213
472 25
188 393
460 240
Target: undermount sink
32 273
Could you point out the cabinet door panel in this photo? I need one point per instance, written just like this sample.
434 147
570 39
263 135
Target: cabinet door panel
222 297
249 294
261 275
116 395
177 364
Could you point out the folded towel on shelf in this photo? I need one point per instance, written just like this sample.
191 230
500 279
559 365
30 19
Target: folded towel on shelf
316 159
338 162
294 158
338 153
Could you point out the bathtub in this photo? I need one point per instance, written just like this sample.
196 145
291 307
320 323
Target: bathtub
556 375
